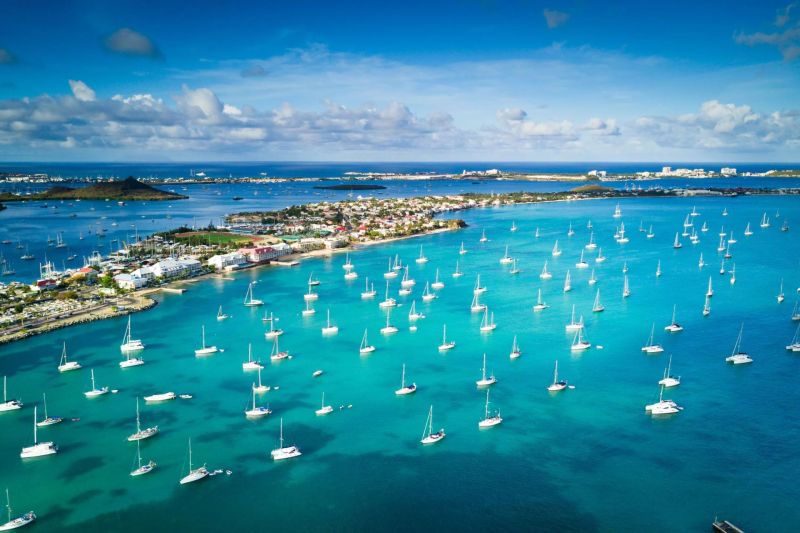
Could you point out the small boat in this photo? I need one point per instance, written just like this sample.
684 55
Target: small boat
437 284
405 389
733 275
348 265
796 312
710 290
316 374
721 247
324 409
129 344
407 282
513 226
39 449
427 295
597 307
489 421
704 228
365 347
794 346
723 526
747 231
624 267
567 283
557 385
48 420
650 233
260 388
421 259
457 273
617 212
308 311
312 282
626 289
195 474
574 326
256 411
369 290
350 275
95 392
310 296
273 331
725 212
662 407
785 226
478 289
204 350
579 343
446 345
592 278
651 347
142 469
669 380
160 397
485 381
701 263
707 307
764 221
536 233
249 300
673 327
556 252
487 324
64 365
483 237
329 328
545 274
413 314
221 316
732 239
462 250
540 304
284 452
388 329
18 522
390 273
622 239
591 245
398 264
250 364
781 296
658 269
600 257
515 351
581 262
506 259
276 355
140 433
677 244
428 436
738 357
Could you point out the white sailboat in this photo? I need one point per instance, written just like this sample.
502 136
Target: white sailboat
487 324
413 314
600 257
405 389
556 252
204 350
673 327
398 264
18 522
651 347
733 275
312 282
489 421
722 268
95 392
483 237
515 350
701 263
64 365
704 228
738 357
142 469
707 306
350 275
284 452
348 265
557 385
581 262
388 301
329 328
390 272
650 233
39 449
570 231
781 296
310 296
545 274
462 250
366 347
662 407
388 329
506 259
260 388
428 436
457 273
324 409
540 304
407 282
478 289
591 245
617 212
421 259
48 420
710 290
597 307
273 331
8 405
567 283
624 267
626 289
140 433
485 381
794 346
250 364
747 231
437 284
249 300
764 220
536 233
514 270
796 312
308 311
221 316
427 295
731 238
669 380
592 278
579 343
446 345
574 326
276 355
369 290
677 244
622 239
129 344
658 269
195 474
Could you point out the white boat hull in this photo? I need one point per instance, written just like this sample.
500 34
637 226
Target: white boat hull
39 450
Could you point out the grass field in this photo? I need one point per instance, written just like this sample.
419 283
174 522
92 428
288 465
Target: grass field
212 237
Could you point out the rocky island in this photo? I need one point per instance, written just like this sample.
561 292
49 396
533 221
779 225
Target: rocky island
129 189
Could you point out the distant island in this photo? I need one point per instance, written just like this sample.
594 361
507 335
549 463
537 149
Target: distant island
128 189
350 187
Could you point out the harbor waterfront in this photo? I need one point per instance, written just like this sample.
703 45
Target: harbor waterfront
588 458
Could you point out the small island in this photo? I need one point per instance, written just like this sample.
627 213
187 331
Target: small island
129 189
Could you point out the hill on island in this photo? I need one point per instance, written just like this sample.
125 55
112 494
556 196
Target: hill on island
128 189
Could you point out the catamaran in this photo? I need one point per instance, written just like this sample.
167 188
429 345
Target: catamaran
329 329
597 307
8 405
421 259
428 436
540 304
48 420
221 316
574 326
579 343
489 421
651 347
260 388
18 522
626 289
195 474
350 275
567 283
249 300
388 329
662 407
457 273
141 434
673 327
413 314
142 469
273 331
545 274
557 385
738 357
204 350
427 295
487 324
581 263
129 344
160 397
277 354
446 345
437 285
365 347
506 259
485 381
39 449
284 452
407 282
669 380
405 389
556 252
515 351
95 392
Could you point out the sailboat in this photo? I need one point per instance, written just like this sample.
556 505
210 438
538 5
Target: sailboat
722 268
731 238
249 300
545 274
437 285
141 434
738 357
704 228
513 226
446 345
485 381
427 295
597 307
579 343
557 385
658 269
570 231
48 420
250 364
721 247
764 220
276 355
348 265
329 329
592 278
487 324
781 297
591 244
626 289
324 409
405 389
669 380
567 283
514 269
600 257
369 290
581 263
129 344
39 449
462 250
273 331
195 474
622 239
506 259
617 212
710 290
310 296
662 407
624 267
725 211
677 244
457 273
673 327
308 311
95 392
388 329
284 452
407 282
540 305
733 274
707 306
8 405
388 301
556 252
421 259
142 469
515 351
794 346
18 522
413 314
398 264
483 237
651 347
350 275
478 289
796 312
701 263
64 365
390 272
365 347
536 233
257 411
221 316
747 231
204 350
650 233
428 436
489 421
574 326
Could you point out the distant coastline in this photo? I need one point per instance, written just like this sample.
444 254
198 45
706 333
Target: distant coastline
350 187
129 189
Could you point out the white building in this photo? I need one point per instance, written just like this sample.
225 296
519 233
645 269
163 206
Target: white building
229 261
727 171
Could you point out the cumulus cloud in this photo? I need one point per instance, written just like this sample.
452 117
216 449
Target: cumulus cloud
555 18
785 37
81 91
129 42
6 57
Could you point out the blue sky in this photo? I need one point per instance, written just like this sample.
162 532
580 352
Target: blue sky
458 80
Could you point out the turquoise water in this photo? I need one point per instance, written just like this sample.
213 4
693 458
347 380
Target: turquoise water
586 459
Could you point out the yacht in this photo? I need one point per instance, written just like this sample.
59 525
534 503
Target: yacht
428 436
567 283
476 306
350 275
129 344
662 407
556 252
8 405
483 237
64 365
204 350
489 421
348 265
427 295
142 469
437 285
545 274
651 347
256 411
581 263
669 380
570 231
574 326
506 259
141 434
366 347
48 420
421 259
591 244
485 381
731 239
579 343
446 345
405 389
398 264
407 282
540 304
330 329
195 474
673 327
390 273
160 397
557 385
221 316
284 452
515 351
725 212
413 314
597 307
388 329
39 449
677 244
95 392
600 257
624 267
487 324
369 290
462 250
308 311
277 354
478 289
310 296
324 409
388 301
249 300
738 357
622 239
18 522
250 364
273 331
457 273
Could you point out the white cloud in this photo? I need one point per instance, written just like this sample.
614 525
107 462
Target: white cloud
81 91
555 18
786 37
129 42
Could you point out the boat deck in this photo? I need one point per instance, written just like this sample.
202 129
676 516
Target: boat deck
723 526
